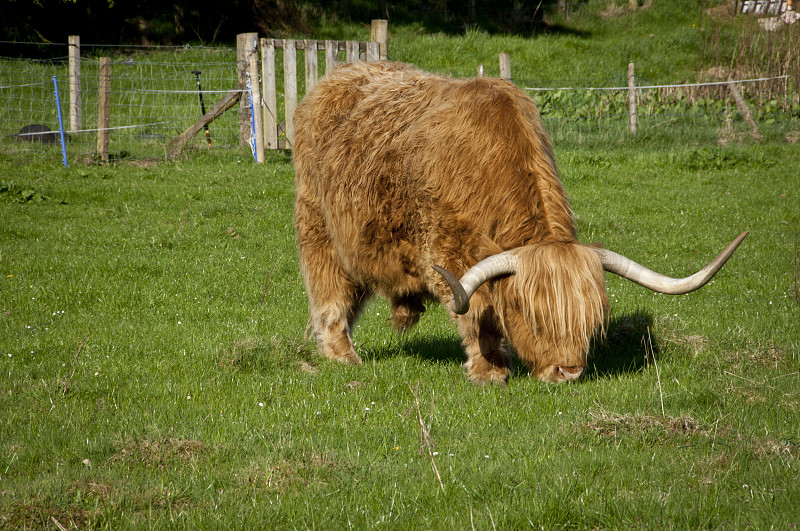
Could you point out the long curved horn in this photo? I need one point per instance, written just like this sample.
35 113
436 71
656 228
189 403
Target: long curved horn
494 266
627 268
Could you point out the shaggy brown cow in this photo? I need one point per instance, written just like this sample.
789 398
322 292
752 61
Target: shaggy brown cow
403 176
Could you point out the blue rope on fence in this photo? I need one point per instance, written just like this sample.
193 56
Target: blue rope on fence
60 123
252 119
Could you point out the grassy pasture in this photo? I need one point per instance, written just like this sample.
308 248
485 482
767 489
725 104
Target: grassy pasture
154 371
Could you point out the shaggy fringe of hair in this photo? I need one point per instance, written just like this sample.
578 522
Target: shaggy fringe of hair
562 287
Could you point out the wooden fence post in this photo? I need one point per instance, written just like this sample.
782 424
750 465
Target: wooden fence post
269 93
246 45
75 111
505 66
312 68
373 52
269 127
103 107
331 55
631 99
290 87
744 110
255 93
379 33
351 51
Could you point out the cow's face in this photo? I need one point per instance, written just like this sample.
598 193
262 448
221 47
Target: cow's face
554 305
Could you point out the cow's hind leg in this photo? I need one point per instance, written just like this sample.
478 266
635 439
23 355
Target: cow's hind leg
406 311
335 301
488 360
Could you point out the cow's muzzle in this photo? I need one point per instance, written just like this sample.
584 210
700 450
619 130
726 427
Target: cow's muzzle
559 374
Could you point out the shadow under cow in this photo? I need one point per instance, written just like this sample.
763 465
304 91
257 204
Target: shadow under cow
435 348
628 344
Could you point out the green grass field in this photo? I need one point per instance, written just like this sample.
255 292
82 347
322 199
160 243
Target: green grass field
154 371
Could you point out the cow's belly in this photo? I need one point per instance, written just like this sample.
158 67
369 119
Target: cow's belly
378 251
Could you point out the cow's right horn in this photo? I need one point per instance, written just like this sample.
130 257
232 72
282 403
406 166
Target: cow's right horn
494 266
627 268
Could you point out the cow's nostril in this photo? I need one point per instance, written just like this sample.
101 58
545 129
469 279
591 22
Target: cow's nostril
569 374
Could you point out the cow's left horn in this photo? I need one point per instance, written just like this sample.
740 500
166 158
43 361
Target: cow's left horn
487 269
627 268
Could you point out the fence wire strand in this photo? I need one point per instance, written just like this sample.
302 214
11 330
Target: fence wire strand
154 97
695 112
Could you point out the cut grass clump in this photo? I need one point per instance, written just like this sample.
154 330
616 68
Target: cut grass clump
255 354
153 453
663 430
306 471
41 515
645 426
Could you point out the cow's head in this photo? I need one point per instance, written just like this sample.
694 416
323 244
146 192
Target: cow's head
554 301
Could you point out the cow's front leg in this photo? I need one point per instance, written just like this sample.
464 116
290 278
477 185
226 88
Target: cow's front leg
488 360
332 322
335 301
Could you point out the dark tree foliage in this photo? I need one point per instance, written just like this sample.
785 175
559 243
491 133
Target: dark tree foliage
501 16
207 22
125 21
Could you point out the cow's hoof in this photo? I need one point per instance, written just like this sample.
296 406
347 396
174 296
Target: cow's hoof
351 358
494 377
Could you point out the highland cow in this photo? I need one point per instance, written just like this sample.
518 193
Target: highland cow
405 181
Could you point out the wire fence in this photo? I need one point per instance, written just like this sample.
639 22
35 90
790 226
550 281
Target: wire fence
154 97
696 113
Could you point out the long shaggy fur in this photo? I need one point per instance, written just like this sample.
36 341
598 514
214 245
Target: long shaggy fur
561 293
397 170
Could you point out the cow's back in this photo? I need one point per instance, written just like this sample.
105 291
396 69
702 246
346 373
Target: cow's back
410 168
